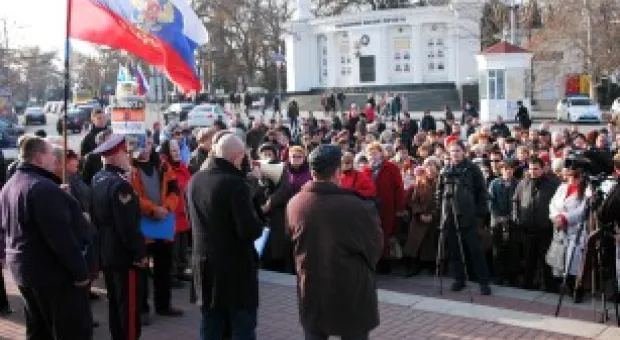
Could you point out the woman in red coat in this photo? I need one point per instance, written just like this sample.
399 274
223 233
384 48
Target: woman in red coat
355 180
170 154
390 194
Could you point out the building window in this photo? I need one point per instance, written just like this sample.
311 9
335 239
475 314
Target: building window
440 66
431 66
436 55
496 84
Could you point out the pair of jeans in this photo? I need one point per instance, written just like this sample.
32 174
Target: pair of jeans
310 335
242 321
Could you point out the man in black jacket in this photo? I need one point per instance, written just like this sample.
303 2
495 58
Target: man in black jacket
531 215
428 122
202 151
464 181
46 246
224 226
92 162
89 142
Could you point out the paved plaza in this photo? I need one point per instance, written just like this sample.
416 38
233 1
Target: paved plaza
404 315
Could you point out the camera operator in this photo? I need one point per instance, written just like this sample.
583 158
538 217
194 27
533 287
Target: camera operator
531 215
464 183
609 211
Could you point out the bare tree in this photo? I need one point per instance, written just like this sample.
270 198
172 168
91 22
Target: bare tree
590 28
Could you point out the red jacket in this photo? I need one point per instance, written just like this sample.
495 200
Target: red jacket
391 195
370 114
359 182
183 176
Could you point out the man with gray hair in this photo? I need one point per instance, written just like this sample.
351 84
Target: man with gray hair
224 226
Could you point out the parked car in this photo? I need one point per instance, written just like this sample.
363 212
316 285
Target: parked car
35 114
177 111
578 108
206 114
77 119
9 133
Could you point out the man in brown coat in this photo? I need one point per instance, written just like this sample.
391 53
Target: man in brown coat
337 242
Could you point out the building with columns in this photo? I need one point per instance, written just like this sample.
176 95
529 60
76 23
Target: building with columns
416 45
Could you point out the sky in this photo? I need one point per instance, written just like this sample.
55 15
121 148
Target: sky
37 22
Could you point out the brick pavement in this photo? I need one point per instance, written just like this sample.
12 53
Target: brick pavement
278 320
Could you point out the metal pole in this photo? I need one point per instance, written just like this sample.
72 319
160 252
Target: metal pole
513 21
67 83
278 76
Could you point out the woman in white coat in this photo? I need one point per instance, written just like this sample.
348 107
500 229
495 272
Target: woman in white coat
566 211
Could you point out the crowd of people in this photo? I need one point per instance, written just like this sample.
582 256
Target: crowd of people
361 192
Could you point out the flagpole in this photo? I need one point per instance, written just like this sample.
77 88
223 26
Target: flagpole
67 84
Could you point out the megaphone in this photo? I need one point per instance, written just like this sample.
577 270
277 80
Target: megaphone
273 172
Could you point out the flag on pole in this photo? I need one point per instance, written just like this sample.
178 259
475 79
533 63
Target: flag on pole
143 85
164 33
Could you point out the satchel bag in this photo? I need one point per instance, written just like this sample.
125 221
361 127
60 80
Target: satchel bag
556 254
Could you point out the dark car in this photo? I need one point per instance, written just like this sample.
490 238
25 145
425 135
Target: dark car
9 133
35 114
177 111
77 119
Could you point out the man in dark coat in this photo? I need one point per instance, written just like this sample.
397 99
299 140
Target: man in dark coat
523 117
224 227
336 251
500 129
89 142
428 122
92 162
46 243
464 182
531 215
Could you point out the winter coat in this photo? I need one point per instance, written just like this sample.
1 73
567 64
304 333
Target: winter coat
298 177
428 123
224 227
500 198
570 209
336 245
531 204
182 174
422 237
391 196
358 182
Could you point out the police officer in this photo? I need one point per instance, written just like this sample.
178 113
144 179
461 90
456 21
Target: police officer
116 213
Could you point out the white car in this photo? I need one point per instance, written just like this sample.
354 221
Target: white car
206 114
578 108
615 107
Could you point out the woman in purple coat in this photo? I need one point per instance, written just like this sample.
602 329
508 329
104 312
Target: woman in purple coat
298 171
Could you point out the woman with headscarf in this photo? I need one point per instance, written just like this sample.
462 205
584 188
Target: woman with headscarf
170 154
421 244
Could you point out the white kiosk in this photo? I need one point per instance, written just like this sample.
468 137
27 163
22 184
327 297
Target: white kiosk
504 79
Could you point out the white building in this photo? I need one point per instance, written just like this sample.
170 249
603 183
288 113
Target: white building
417 45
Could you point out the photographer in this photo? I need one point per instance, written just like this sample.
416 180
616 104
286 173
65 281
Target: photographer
464 183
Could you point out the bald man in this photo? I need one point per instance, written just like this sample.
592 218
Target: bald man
224 226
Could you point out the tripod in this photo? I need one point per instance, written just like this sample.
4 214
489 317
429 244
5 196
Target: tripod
449 195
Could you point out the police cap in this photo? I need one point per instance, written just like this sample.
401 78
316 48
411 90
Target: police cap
111 146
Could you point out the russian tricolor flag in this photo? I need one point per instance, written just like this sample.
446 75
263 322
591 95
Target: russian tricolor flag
164 33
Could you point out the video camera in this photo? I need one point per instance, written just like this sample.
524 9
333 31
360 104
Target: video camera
593 163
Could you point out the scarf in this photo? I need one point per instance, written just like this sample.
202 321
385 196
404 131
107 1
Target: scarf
376 167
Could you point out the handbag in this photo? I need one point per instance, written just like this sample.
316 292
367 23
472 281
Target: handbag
556 254
396 250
